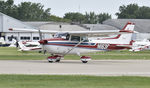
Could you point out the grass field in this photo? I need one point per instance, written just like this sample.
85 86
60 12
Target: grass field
45 81
7 53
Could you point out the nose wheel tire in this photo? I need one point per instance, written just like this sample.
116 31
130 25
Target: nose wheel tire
84 61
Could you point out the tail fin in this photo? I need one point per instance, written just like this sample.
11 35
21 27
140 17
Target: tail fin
126 38
129 27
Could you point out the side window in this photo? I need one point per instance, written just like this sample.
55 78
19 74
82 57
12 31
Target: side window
85 39
75 38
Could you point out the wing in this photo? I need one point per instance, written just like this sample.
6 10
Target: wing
128 28
32 30
95 33
78 33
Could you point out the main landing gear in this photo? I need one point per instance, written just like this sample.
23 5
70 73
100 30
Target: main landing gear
54 58
57 58
85 59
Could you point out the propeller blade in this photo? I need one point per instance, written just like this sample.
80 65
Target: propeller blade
40 35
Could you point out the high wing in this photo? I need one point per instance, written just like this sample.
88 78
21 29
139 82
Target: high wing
96 33
78 33
32 30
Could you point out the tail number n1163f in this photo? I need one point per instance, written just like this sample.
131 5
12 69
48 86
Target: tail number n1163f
102 46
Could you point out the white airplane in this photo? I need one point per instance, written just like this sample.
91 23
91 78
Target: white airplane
140 45
77 42
29 46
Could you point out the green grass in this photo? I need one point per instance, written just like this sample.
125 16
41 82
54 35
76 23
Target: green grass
7 53
53 81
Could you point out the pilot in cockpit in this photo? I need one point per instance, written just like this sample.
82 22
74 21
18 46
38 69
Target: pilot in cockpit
65 36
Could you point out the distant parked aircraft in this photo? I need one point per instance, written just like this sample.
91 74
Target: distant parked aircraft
29 46
141 45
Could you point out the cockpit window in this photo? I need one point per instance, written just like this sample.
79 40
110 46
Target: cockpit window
75 38
62 35
84 39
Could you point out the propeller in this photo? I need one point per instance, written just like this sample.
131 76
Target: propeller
40 35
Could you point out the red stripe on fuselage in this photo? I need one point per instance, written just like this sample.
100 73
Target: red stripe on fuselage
118 36
110 47
55 39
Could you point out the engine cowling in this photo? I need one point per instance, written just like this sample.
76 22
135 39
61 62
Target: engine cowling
43 42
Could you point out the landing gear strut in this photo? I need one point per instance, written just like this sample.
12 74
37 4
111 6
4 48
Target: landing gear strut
54 58
85 59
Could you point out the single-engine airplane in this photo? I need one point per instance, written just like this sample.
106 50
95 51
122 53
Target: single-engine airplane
140 45
29 46
77 42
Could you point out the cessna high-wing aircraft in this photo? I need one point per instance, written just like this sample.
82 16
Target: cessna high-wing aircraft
29 46
77 42
140 45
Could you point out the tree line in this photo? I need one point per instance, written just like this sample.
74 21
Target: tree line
133 11
28 11
88 18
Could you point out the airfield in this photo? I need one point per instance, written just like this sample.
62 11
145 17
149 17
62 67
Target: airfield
75 67
113 63
113 69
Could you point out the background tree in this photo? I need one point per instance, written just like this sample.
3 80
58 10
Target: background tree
129 11
103 16
88 18
33 12
28 11
144 13
75 17
133 11
7 7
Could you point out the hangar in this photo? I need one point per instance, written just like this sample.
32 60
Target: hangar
141 25
7 22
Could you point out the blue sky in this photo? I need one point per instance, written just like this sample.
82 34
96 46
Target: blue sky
60 7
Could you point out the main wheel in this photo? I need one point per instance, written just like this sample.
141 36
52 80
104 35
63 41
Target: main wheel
57 61
50 61
84 61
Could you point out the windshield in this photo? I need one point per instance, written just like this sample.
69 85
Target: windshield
62 35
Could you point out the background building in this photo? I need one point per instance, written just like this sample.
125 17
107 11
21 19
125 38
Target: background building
7 22
141 25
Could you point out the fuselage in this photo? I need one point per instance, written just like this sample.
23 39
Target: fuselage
62 46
